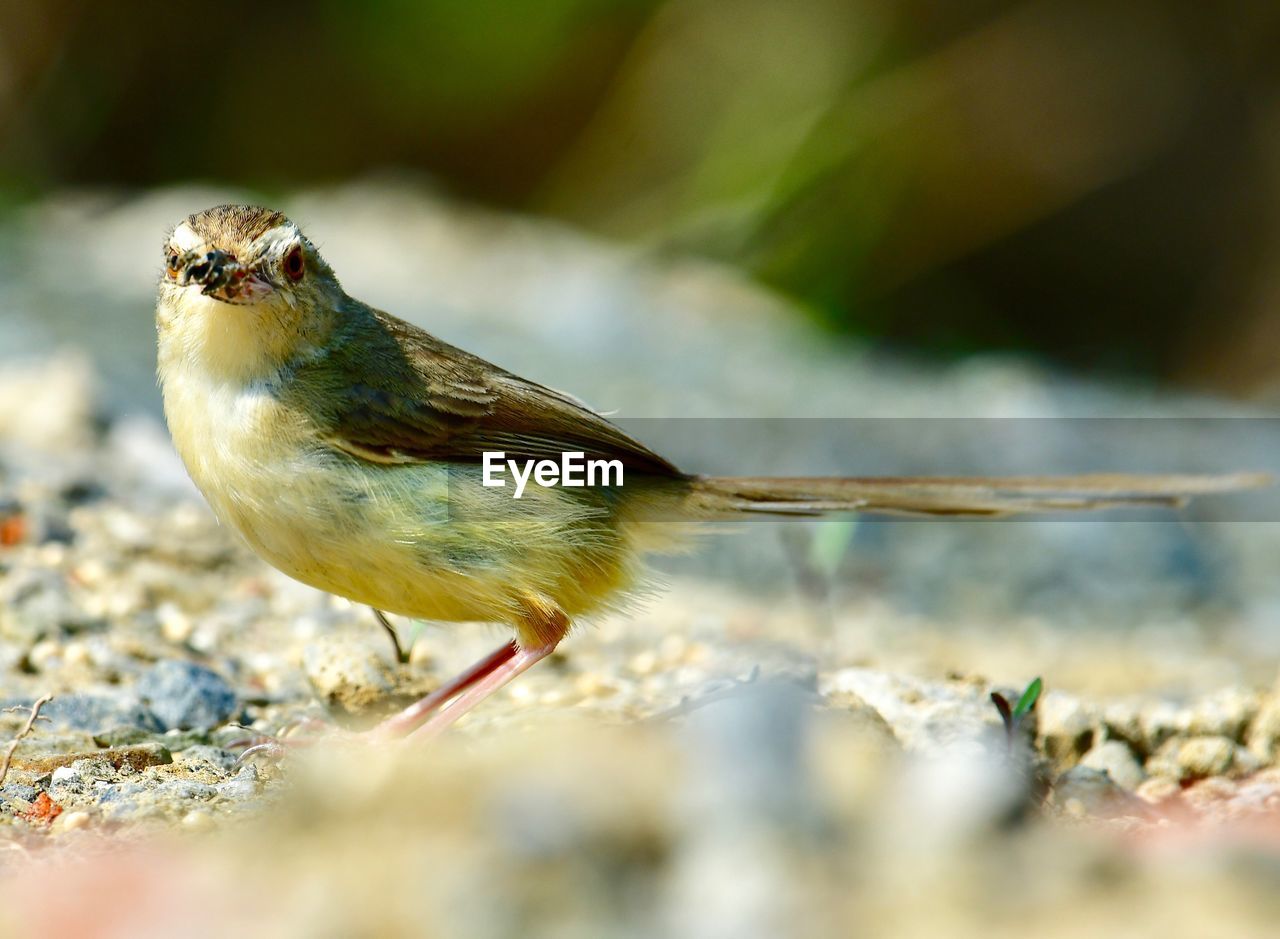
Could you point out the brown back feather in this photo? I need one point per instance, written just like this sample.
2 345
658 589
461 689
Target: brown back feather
420 398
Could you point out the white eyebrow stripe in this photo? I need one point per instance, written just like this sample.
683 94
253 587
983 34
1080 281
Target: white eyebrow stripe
184 238
279 236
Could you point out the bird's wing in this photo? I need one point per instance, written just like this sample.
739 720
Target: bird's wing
423 399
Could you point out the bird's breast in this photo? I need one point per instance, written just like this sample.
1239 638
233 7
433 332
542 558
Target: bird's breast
424 539
226 432
380 535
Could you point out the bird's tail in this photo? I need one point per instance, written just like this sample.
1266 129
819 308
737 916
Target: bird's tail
975 496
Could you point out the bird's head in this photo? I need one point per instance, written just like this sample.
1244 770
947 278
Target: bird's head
243 290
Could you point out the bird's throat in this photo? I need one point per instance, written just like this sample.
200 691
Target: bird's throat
228 342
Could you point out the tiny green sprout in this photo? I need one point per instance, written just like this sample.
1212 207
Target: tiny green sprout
830 544
1014 715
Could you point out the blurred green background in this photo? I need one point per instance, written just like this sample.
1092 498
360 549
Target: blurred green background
1095 182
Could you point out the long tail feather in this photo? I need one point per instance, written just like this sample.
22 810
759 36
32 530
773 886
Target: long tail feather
983 496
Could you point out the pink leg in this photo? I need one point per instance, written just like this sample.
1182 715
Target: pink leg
482 688
404 722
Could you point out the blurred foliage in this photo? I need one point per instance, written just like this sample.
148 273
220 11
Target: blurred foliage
1096 180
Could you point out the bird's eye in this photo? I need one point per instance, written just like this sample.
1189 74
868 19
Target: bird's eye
171 261
293 264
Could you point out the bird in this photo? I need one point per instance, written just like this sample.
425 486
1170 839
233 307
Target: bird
365 457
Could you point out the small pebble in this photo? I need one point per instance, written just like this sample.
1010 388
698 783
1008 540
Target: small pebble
184 790
594 685
45 655
1263 735
64 775
175 625
422 656
198 821
19 792
71 821
1211 791
91 572
1227 713
1159 788
1122 720
1194 758
673 648
1066 727
1118 761
243 786
95 712
101 762
216 758
1160 721
1083 790
185 695
348 677
121 736
645 663
77 655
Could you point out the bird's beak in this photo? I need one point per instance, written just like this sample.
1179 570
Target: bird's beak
222 277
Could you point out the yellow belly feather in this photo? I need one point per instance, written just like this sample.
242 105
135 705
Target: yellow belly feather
425 540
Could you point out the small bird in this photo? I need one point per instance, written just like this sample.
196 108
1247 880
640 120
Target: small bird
356 453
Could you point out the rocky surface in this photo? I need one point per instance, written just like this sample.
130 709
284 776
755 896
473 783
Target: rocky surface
810 753
647 760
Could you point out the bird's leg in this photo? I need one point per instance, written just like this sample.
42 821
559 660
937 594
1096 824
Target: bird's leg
428 717
523 660
402 654
542 624
404 723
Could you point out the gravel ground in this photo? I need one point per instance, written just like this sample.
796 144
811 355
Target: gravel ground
811 752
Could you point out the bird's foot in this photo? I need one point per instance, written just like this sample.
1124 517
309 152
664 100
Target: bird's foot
296 734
